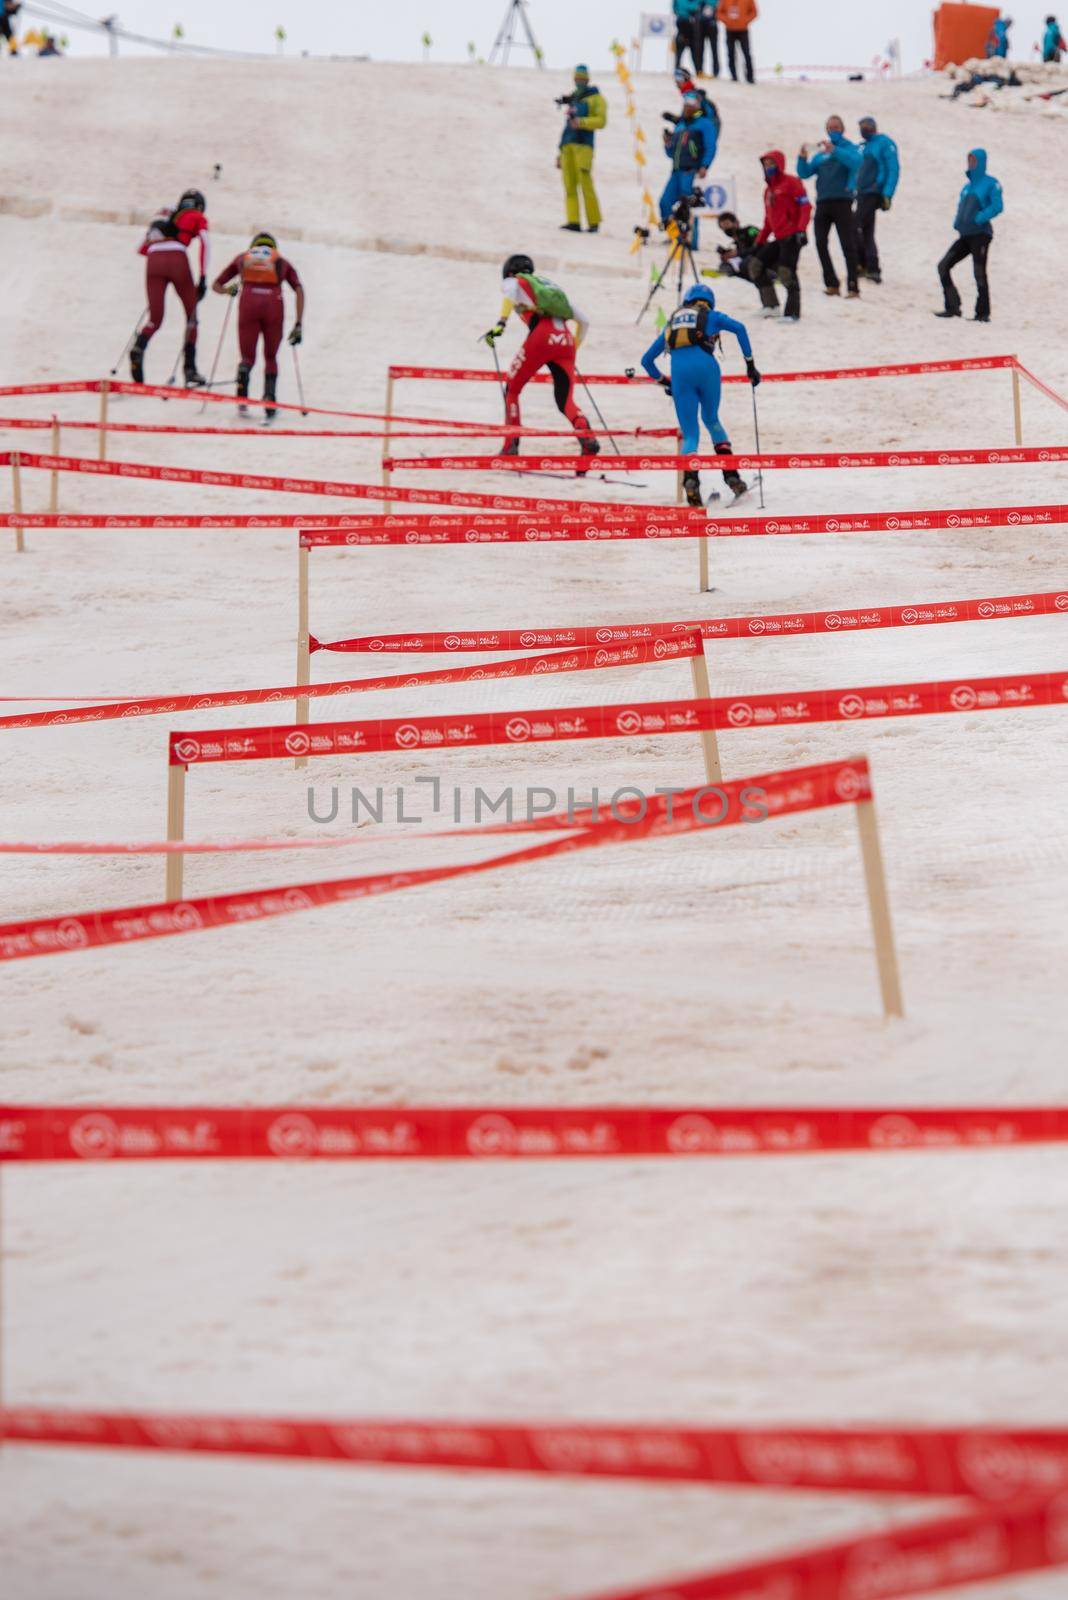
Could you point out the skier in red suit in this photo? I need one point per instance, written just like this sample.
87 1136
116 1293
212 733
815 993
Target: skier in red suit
260 311
166 250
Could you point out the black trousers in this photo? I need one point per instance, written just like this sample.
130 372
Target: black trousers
777 259
738 39
688 37
706 31
868 208
976 245
836 214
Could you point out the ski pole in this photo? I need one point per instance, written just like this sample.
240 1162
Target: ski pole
600 416
756 433
300 383
218 352
129 343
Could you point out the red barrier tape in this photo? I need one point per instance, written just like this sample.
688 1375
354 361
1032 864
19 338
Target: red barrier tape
1017 456
782 794
985 1464
638 719
628 521
1050 394
785 625
974 1547
516 1133
591 658
830 375
446 430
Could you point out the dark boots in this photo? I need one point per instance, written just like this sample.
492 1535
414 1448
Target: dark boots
244 372
589 446
691 485
193 379
270 390
137 358
734 480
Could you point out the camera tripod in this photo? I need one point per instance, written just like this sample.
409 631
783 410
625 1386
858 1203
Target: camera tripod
682 252
515 18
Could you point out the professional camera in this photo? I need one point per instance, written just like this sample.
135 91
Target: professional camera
682 213
564 100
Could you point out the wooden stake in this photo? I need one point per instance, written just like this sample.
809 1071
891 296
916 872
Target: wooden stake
1016 416
386 476
175 830
879 906
709 742
702 566
105 389
303 643
53 496
16 499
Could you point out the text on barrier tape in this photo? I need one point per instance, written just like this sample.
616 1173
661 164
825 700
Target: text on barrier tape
1021 455
781 794
989 1465
902 369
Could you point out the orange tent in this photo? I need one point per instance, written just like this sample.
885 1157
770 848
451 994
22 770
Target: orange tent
961 32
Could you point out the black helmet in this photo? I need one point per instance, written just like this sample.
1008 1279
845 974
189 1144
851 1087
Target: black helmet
264 238
192 199
516 264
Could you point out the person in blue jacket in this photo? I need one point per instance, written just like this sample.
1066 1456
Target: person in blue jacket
980 202
998 42
692 336
834 164
691 148
688 31
877 182
1053 45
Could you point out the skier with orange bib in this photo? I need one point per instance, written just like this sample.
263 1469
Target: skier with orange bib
547 313
260 311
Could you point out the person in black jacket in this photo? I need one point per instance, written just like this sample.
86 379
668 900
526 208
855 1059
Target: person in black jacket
9 10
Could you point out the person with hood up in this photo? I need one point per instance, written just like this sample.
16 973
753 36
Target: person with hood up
998 42
780 241
1053 45
692 337
691 149
834 165
877 182
587 112
688 31
980 202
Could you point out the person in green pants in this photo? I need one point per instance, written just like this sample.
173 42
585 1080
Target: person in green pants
586 112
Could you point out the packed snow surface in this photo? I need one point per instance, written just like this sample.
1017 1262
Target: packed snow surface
715 969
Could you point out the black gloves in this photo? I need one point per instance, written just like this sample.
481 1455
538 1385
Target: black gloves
665 384
751 371
884 202
297 335
202 289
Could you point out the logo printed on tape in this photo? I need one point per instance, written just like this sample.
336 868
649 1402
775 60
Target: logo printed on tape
848 784
517 729
986 609
740 714
292 1136
525 639
406 736
832 620
758 625
910 614
94 1137
629 722
964 698
298 744
187 750
851 705
451 641
492 1135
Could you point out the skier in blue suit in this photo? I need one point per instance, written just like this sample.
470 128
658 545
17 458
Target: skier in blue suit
692 336
980 202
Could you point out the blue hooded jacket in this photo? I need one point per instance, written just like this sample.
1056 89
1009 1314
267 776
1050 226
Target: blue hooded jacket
693 144
685 9
879 166
980 200
835 175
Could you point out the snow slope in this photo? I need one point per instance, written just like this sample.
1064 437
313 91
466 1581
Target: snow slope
727 969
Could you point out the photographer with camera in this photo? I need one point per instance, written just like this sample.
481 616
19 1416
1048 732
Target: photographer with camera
734 257
692 337
587 112
691 148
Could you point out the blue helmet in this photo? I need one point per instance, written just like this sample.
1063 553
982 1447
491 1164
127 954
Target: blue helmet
700 291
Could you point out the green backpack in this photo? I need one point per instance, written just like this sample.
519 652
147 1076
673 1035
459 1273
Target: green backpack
549 298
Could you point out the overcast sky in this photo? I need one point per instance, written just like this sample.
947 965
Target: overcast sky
794 32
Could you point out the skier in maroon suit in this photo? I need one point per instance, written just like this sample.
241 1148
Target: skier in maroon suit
260 311
166 251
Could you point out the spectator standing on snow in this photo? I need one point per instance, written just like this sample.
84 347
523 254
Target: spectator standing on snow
834 164
998 42
688 31
1053 44
707 33
737 17
9 10
980 202
877 182
587 113
780 241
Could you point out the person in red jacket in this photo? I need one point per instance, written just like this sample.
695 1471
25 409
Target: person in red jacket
787 209
260 311
166 250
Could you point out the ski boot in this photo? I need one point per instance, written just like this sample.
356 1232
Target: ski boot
589 446
733 479
137 359
270 390
244 372
193 379
691 485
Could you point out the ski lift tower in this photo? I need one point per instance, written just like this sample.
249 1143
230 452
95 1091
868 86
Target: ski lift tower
515 19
